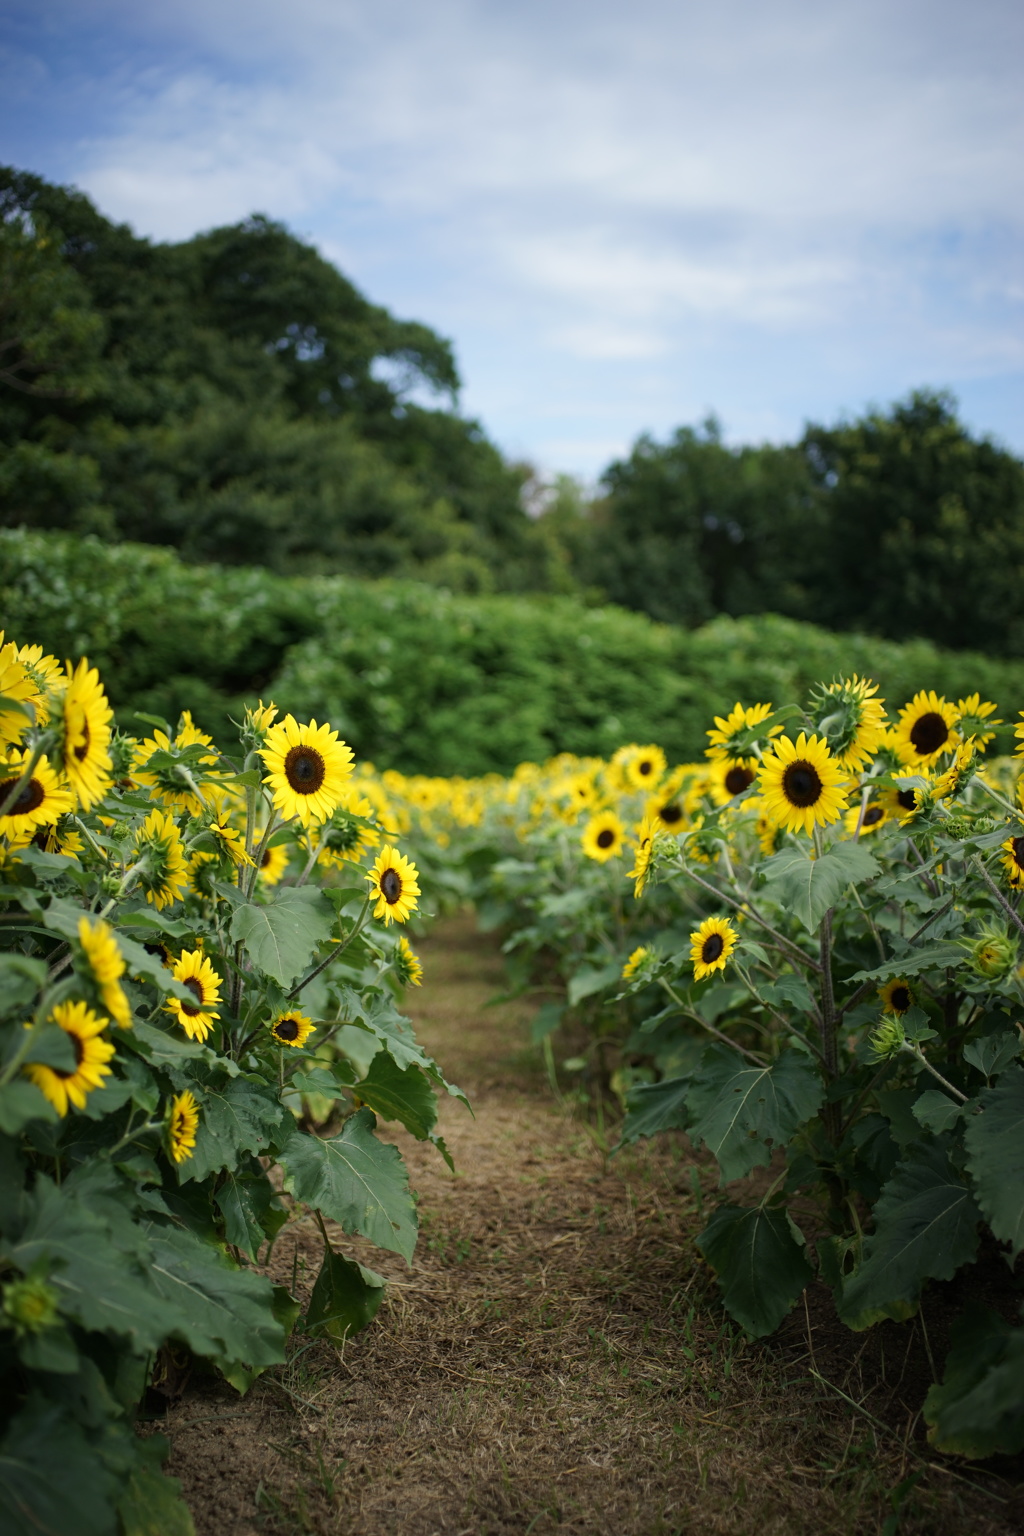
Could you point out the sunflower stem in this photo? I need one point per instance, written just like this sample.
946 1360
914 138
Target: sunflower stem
688 1013
749 910
257 858
916 1051
1010 911
339 949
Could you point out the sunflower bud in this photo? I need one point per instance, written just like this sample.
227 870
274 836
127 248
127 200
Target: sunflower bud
30 1305
888 1039
994 955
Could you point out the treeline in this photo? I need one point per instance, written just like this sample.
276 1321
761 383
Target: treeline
426 680
235 398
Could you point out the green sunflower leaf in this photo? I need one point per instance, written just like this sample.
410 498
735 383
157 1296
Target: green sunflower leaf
243 1200
51 1480
242 1115
281 937
355 1180
345 1297
20 1102
995 1156
399 1093
978 1409
740 1109
925 957
759 1258
808 887
654 1107
925 1228
219 1310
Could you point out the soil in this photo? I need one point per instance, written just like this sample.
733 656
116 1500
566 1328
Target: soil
556 1359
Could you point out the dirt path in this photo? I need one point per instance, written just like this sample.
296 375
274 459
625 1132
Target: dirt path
555 1360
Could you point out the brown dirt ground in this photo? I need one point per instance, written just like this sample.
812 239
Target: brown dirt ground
556 1359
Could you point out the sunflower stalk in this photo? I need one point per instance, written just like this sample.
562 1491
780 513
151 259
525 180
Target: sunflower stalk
1010 910
339 949
257 858
688 1013
911 1048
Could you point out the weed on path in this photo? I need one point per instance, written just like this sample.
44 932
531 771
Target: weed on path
556 1359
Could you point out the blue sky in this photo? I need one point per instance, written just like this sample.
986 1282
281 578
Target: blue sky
624 217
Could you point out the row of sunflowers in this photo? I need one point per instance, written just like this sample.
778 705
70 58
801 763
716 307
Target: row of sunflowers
203 961
804 951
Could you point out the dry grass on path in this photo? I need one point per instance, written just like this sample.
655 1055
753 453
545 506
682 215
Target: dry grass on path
556 1359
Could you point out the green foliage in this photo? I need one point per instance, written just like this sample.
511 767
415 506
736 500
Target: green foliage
995 1147
425 681
760 1260
978 1410
740 1112
147 1089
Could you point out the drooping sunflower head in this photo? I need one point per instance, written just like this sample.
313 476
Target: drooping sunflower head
308 769
603 837
66 1086
850 719
98 948
41 800
87 728
711 945
230 843
197 1016
407 963
974 718
160 856
802 786
1013 860
959 773
394 886
736 736
182 1125
257 723
291 1028
348 836
637 961
177 767
926 728
17 686
646 833
897 995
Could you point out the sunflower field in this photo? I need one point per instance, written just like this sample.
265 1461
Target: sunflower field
199 1028
804 951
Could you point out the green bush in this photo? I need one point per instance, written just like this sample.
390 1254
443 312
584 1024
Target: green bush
422 680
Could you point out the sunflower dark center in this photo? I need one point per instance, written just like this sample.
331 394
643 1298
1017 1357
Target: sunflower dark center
195 986
30 797
265 859
900 998
872 814
711 949
391 886
1018 852
801 784
286 1029
305 770
738 779
670 814
83 745
605 838
907 799
929 733
645 766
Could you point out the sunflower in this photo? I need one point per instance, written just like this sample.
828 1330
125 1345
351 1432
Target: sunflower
904 800
735 726
259 720
645 767
1013 862
974 719
711 945
106 967
16 684
292 1028
45 672
92 1054
345 838
203 870
175 791
394 884
160 856
727 779
897 995
308 768
927 727
41 799
851 720
959 773
194 971
801 785
603 837
874 819
638 958
87 717
642 859
230 843
52 837
273 863
408 965
581 792
674 803
182 1124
